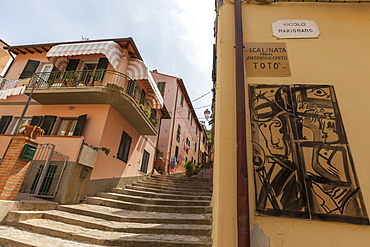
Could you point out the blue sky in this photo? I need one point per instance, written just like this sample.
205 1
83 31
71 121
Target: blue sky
173 36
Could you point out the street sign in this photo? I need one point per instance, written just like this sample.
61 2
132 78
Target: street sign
295 29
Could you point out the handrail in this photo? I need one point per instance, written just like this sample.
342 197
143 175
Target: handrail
92 78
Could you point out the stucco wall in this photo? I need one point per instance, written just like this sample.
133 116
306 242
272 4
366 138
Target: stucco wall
109 166
337 57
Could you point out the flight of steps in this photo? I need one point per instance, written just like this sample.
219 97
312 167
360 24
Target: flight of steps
160 211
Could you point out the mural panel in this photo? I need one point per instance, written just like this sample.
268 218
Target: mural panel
302 162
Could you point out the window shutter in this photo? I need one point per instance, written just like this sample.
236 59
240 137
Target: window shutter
36 120
124 147
72 65
54 74
103 63
161 86
4 123
144 162
80 125
48 123
29 69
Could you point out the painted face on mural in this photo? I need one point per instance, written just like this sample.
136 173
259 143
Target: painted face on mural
275 135
318 117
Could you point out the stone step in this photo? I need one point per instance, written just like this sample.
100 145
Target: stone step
110 238
172 188
151 208
192 183
169 190
159 195
120 215
106 225
13 237
180 186
152 201
181 177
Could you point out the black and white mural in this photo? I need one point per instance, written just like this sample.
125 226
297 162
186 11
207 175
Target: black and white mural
302 162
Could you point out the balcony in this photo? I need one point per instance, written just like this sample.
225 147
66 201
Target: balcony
96 87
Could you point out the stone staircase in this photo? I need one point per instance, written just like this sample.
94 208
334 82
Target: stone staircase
160 211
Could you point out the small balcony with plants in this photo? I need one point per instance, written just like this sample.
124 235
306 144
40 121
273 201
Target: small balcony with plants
96 87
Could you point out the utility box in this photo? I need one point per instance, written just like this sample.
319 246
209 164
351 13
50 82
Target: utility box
28 152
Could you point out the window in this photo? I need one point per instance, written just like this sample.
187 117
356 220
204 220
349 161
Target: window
66 126
177 152
144 162
196 130
142 97
178 133
4 123
161 86
124 147
195 147
182 101
13 124
28 70
189 114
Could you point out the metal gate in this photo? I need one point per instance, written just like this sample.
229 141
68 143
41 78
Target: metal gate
45 172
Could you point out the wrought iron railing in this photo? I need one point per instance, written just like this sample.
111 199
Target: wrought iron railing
115 80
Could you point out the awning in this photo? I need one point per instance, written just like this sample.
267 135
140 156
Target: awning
60 55
137 70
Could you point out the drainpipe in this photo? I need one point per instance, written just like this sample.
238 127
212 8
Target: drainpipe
242 172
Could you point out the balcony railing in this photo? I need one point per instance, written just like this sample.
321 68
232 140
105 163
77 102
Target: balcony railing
114 80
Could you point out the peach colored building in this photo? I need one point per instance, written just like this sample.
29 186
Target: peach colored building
4 56
88 96
180 136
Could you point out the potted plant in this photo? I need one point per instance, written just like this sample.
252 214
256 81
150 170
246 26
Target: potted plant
71 79
103 149
162 170
189 167
153 121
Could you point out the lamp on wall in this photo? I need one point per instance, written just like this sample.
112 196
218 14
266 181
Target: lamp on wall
207 114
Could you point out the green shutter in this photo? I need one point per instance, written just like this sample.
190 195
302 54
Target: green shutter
103 63
124 147
4 123
161 86
36 120
72 65
48 123
28 70
80 125
55 74
144 162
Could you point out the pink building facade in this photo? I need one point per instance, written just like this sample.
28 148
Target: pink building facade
181 137
88 96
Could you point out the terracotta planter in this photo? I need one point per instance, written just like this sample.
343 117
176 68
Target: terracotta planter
98 83
32 131
189 174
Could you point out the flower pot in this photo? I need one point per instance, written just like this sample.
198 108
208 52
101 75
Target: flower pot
98 83
189 174
32 131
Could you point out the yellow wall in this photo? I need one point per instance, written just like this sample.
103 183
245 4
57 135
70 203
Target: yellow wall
339 57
